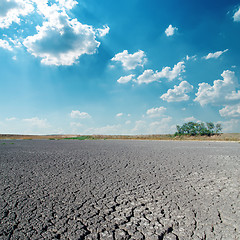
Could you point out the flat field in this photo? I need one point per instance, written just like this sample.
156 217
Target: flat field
218 137
119 189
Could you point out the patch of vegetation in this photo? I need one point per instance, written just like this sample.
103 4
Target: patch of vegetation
51 139
81 138
196 129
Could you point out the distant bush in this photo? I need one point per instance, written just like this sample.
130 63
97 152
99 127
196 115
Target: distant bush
193 129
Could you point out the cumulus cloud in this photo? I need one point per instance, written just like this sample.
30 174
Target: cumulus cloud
36 122
101 32
236 16
234 95
126 79
62 45
161 127
52 12
60 40
12 10
178 93
190 119
174 73
170 31
230 126
140 127
130 61
230 111
220 92
68 4
215 55
5 44
119 114
149 75
78 114
156 112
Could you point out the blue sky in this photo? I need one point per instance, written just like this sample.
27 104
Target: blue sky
127 67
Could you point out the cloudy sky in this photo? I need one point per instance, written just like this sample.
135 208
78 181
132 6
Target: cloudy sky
118 67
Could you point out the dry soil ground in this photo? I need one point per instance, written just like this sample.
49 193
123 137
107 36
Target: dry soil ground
119 189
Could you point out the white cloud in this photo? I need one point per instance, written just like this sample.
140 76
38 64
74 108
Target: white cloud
236 16
12 10
230 126
52 12
78 114
15 42
60 40
140 127
126 79
11 119
36 122
221 91
103 32
128 122
234 95
156 112
215 55
5 44
62 44
178 93
161 127
190 119
230 111
131 61
68 4
170 30
194 58
174 73
149 75
119 115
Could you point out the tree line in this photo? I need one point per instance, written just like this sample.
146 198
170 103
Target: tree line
193 129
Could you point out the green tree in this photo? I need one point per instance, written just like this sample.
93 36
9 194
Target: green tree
210 127
179 130
193 129
218 128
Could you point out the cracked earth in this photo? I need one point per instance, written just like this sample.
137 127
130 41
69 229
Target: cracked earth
119 189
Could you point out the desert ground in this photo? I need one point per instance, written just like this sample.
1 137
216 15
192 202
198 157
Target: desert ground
119 189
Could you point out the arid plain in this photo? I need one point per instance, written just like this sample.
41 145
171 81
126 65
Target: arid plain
119 189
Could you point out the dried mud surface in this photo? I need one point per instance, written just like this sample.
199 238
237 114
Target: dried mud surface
119 189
